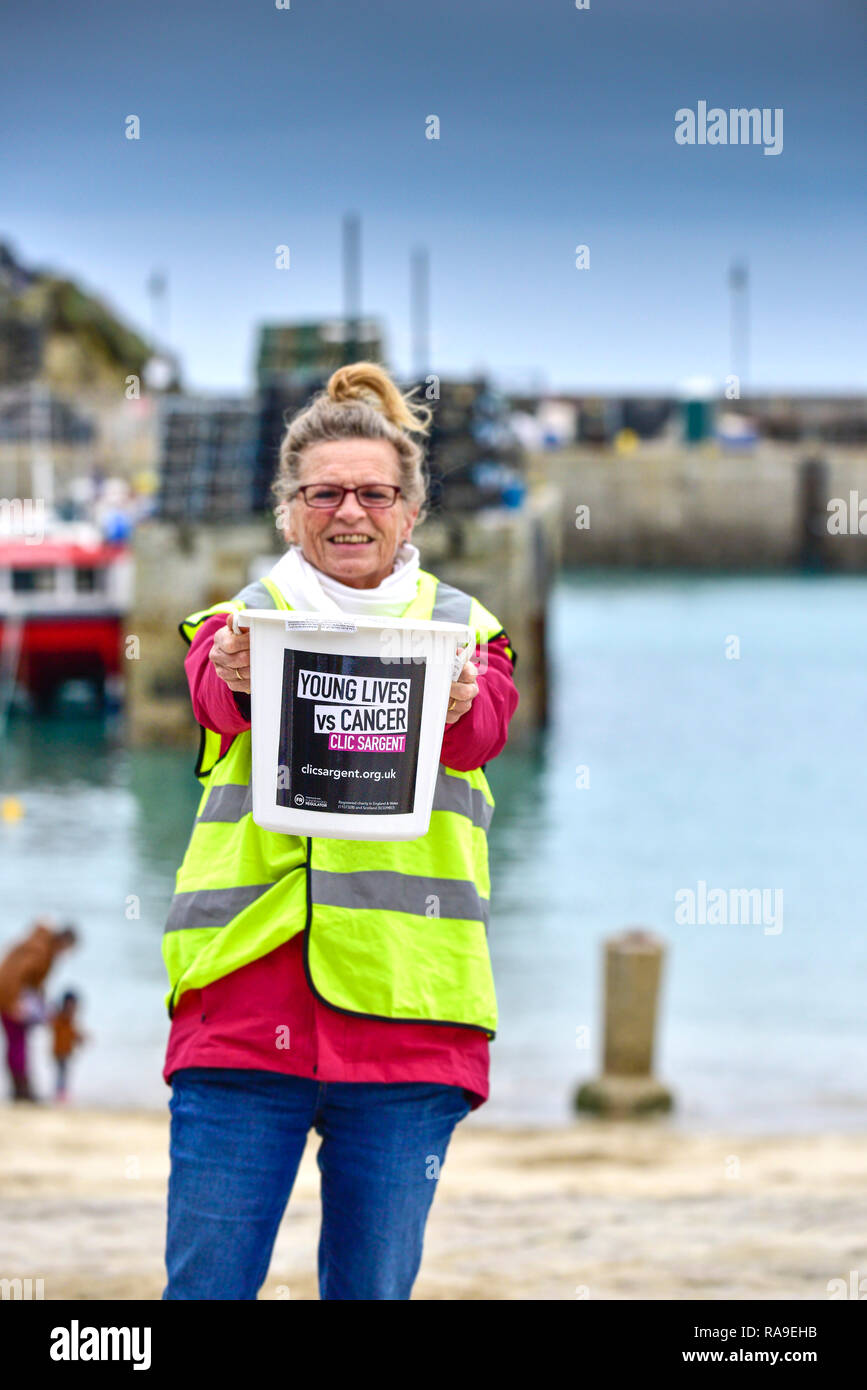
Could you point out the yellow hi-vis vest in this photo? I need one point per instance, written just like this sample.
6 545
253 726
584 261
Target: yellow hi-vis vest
392 930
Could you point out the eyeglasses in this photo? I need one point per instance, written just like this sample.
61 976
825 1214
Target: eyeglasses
329 496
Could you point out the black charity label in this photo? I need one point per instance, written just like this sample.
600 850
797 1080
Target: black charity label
349 733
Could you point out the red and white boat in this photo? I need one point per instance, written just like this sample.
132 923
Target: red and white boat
63 598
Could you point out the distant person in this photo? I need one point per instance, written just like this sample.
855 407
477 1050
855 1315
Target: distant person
66 1037
23 972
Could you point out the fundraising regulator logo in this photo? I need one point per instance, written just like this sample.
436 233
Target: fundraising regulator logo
703 906
739 125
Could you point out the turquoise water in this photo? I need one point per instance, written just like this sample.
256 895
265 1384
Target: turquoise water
745 773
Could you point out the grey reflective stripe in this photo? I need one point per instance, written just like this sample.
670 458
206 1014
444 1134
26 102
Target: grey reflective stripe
228 802
255 595
456 794
386 891
452 605
211 907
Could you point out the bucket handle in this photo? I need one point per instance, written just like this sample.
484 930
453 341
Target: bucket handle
462 655
465 648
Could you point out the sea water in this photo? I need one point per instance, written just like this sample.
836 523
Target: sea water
706 738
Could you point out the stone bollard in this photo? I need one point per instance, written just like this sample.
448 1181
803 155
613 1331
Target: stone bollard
626 1088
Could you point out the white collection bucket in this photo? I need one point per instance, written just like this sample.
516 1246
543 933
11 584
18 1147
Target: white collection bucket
347 720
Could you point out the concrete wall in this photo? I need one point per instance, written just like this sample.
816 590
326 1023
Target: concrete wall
508 561
704 509
178 570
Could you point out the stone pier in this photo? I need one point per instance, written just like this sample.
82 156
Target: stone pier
665 506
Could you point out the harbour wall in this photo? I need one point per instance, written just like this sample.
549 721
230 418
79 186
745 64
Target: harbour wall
698 508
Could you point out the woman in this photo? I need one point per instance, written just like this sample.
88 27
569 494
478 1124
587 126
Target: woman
23 972
343 985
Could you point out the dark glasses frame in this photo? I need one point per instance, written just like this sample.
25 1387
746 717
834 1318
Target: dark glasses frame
336 487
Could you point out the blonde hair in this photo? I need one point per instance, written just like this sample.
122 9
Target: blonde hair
360 402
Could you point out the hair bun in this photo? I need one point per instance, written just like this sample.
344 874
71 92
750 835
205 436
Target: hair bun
368 382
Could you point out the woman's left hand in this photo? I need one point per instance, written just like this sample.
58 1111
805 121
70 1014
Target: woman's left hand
462 693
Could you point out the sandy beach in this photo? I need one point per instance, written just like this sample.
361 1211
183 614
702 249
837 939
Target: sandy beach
594 1211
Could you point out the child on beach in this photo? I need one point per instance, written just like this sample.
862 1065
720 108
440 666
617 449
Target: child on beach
66 1038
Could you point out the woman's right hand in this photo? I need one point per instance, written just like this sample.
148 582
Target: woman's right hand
230 657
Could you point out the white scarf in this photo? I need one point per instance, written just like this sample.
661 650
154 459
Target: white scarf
306 587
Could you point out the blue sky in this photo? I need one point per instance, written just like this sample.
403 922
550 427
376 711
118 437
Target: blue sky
260 127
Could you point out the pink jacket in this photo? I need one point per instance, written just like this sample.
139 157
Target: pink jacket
233 1022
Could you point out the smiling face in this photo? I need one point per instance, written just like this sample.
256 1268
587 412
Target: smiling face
354 546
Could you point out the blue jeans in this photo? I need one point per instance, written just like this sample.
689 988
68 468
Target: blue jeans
236 1142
